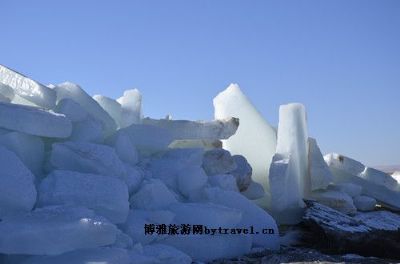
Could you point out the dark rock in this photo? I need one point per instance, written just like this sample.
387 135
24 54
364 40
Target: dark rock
299 255
367 234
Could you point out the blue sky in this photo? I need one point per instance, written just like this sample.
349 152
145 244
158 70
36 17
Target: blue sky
340 58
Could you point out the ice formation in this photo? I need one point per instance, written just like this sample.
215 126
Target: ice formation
106 196
34 121
184 129
288 177
26 88
255 139
55 230
82 176
17 189
319 173
131 108
374 183
77 94
364 203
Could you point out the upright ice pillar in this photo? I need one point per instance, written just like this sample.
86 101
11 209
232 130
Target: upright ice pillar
255 139
131 106
288 176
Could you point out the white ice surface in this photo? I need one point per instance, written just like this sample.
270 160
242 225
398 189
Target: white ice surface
34 121
111 106
351 189
17 189
137 219
85 256
224 181
174 161
153 195
147 139
191 181
364 203
87 157
379 192
76 93
218 161
255 139
54 230
337 200
252 215
28 89
107 196
88 130
6 92
254 191
195 130
124 147
29 149
71 109
318 170
131 107
207 214
208 247
166 254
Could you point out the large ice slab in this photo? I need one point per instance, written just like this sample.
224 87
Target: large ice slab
87 157
17 189
254 191
358 169
131 107
93 158
252 215
85 256
318 170
71 109
85 128
255 138
364 203
34 121
153 195
223 181
137 219
166 254
174 162
337 200
186 129
210 247
6 93
28 89
89 130
76 93
191 181
205 144
111 106
207 214
147 139
124 147
218 161
30 149
107 196
396 175
379 192
351 189
381 178
54 230
288 175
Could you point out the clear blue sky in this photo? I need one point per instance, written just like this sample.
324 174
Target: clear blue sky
340 58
